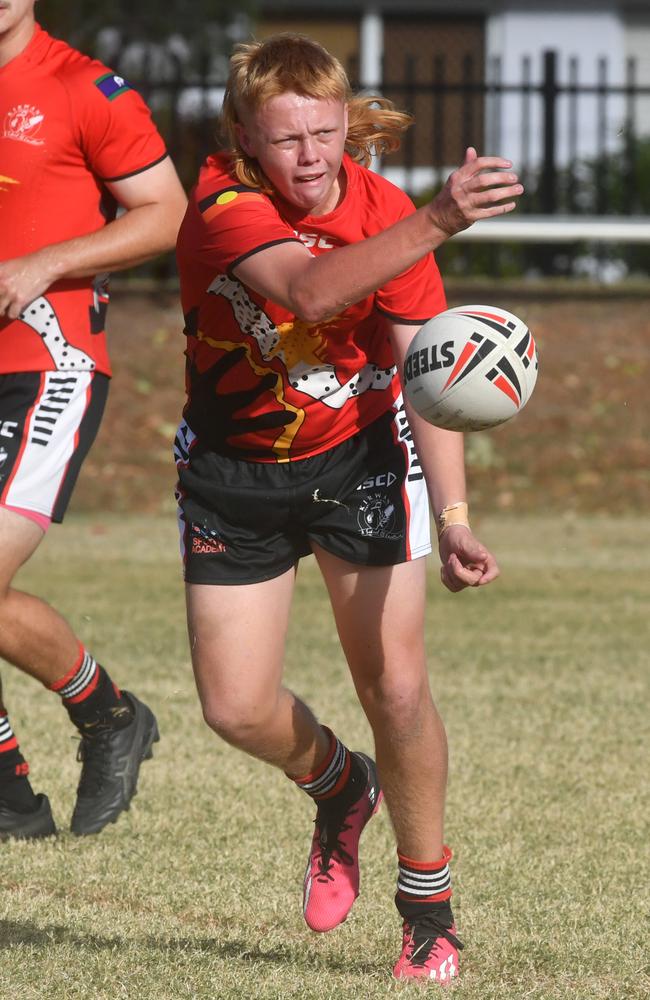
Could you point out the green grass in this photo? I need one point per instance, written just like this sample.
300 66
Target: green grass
543 682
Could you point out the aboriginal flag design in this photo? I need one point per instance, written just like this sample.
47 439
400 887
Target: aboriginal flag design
219 201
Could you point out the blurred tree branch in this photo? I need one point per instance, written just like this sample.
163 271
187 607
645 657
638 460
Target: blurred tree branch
87 24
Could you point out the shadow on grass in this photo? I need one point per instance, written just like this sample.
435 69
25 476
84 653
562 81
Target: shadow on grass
14 933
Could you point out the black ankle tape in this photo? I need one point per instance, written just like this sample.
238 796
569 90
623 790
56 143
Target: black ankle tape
410 910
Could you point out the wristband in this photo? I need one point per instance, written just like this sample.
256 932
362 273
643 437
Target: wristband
453 513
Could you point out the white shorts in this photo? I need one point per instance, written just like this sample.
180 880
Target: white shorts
48 421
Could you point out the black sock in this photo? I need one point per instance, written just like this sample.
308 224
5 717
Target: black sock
339 780
15 789
93 701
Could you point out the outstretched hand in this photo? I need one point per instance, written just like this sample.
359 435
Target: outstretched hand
483 187
465 562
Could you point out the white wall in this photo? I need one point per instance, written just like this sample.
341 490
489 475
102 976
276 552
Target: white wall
586 35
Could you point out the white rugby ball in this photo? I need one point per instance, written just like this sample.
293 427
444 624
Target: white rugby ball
470 368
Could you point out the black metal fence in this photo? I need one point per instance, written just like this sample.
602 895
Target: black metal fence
543 116
607 175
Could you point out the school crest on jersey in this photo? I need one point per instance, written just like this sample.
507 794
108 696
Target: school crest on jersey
23 123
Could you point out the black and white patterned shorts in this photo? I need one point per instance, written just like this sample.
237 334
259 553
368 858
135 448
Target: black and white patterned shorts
48 421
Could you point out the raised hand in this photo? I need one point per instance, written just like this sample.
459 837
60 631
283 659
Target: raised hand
483 187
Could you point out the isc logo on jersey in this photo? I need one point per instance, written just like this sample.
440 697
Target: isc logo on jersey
314 240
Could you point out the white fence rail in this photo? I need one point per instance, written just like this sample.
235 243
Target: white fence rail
559 229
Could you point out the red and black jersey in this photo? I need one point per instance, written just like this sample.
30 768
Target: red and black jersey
263 384
67 125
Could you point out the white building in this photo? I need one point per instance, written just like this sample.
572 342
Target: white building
500 41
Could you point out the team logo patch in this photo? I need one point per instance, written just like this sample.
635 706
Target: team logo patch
23 123
205 542
112 85
217 202
377 517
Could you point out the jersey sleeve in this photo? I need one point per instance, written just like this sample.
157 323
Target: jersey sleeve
117 133
232 222
416 295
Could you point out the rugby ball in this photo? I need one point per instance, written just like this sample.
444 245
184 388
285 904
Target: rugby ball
470 368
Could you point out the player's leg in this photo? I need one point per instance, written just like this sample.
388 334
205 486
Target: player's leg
33 636
380 618
27 625
379 612
239 554
49 423
23 814
237 636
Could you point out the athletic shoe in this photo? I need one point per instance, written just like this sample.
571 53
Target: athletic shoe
27 825
111 761
429 951
332 876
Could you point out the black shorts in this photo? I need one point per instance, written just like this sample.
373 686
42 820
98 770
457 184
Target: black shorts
241 522
48 421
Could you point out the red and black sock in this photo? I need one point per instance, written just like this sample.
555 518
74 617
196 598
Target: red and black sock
15 789
423 887
338 780
92 699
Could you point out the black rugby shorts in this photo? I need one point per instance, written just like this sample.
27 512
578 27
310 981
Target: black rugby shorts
243 522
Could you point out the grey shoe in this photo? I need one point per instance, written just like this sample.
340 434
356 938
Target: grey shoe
111 763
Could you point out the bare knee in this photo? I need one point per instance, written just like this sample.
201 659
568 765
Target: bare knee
396 703
19 539
241 724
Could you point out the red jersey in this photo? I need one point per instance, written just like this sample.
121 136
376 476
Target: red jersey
263 384
67 125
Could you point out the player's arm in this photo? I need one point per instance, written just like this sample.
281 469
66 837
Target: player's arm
315 288
154 203
465 562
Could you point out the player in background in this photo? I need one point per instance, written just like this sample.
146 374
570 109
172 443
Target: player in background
304 276
75 142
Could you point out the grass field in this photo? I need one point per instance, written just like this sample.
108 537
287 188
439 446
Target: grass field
543 682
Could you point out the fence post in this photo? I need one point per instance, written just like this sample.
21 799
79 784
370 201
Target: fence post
548 179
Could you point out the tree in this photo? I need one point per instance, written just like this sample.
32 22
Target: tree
82 23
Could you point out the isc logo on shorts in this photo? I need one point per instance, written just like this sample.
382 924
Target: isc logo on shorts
383 479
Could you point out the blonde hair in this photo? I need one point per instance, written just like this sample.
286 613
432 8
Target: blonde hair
288 62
